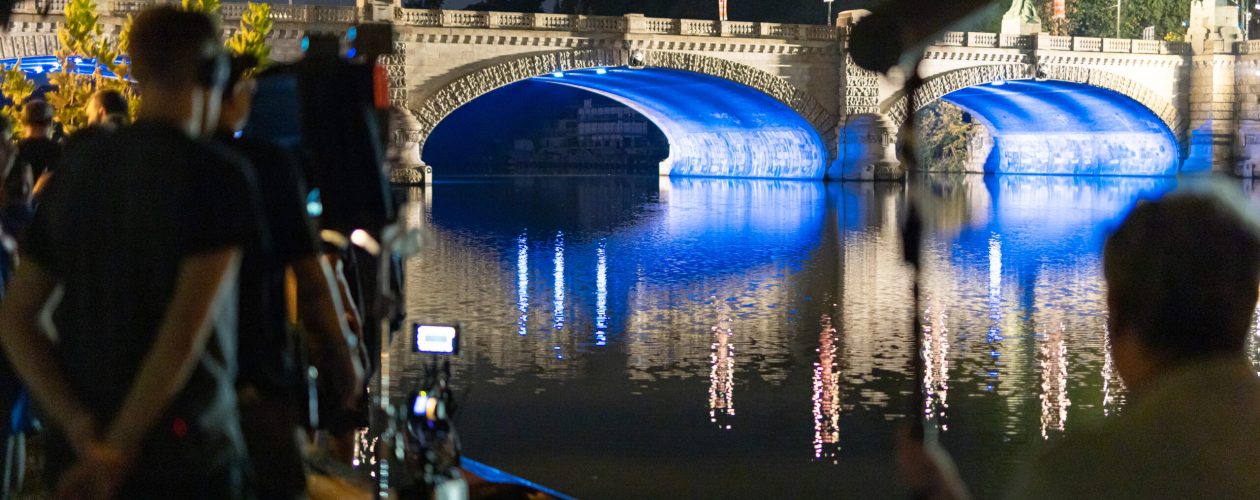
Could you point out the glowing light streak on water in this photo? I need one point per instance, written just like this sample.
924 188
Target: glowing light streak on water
522 284
994 336
1054 379
558 297
827 395
1113 387
722 373
601 295
936 357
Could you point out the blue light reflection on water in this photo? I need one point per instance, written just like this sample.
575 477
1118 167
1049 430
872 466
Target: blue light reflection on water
677 276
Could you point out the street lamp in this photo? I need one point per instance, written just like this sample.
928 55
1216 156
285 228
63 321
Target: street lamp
1118 4
830 21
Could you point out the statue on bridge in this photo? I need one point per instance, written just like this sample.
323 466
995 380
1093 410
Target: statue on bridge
1021 19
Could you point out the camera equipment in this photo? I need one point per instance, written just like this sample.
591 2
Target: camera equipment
431 447
437 339
328 110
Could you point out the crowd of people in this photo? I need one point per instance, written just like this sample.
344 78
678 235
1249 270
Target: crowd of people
167 290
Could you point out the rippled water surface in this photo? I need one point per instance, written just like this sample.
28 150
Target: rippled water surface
671 338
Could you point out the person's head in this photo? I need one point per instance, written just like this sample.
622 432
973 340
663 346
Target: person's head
107 108
180 67
1182 279
237 94
37 119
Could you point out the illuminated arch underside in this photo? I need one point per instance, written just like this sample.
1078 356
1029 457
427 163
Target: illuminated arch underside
715 127
1056 127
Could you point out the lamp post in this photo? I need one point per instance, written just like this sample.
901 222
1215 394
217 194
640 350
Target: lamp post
1118 4
830 20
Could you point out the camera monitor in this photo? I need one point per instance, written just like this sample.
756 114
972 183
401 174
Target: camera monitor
437 339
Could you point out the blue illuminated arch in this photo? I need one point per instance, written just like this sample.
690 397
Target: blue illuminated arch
715 127
42 65
1059 127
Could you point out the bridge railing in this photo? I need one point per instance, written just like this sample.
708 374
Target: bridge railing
1065 43
608 24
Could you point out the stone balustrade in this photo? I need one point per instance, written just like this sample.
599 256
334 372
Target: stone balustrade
1064 43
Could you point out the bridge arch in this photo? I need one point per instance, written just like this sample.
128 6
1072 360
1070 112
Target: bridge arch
1060 119
778 130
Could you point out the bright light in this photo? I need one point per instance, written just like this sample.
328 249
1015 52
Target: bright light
999 83
365 241
601 71
558 74
351 53
436 339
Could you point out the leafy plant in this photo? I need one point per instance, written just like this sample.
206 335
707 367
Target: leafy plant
17 88
206 6
82 40
251 38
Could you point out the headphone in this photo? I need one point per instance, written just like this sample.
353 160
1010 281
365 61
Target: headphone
214 69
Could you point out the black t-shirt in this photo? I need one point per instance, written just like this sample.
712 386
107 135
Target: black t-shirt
126 209
267 354
39 153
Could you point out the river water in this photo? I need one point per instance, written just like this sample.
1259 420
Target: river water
642 337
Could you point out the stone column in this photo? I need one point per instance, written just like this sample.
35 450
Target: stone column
1247 145
1213 96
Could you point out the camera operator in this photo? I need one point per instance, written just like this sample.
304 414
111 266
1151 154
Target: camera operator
143 232
272 386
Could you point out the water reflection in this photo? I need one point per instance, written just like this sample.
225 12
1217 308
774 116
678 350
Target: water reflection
660 287
722 375
827 395
522 284
1054 378
936 371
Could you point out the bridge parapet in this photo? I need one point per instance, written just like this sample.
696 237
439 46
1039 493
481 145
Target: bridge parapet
629 24
1062 43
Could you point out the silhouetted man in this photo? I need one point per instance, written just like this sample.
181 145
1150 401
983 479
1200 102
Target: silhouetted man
273 385
143 231
1182 278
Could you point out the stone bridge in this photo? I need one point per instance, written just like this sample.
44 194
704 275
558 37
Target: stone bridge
776 100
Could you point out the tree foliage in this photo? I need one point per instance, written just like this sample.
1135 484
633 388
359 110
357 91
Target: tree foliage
16 87
207 6
251 38
83 41
1097 18
945 137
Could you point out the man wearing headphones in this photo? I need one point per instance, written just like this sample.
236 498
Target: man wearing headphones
143 232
